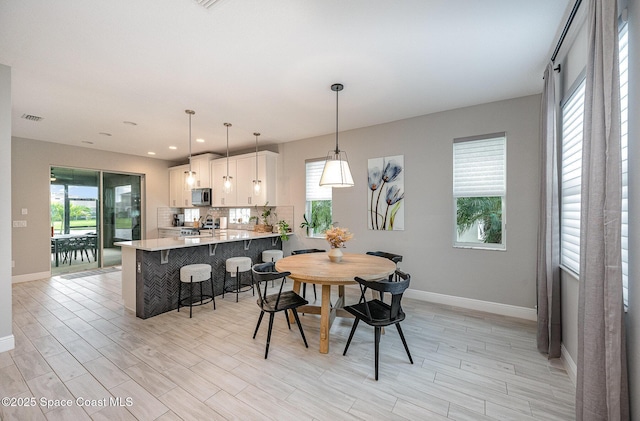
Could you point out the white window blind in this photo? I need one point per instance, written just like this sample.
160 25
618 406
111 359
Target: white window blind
479 166
572 120
313 174
624 91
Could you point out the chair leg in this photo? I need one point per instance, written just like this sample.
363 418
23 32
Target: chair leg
295 314
191 298
286 316
224 283
304 290
201 298
237 284
315 294
377 350
213 293
266 352
404 342
353 330
258 325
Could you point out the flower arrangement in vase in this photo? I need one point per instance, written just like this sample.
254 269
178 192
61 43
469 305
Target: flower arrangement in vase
337 237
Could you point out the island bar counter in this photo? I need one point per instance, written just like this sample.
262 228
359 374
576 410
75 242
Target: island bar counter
151 268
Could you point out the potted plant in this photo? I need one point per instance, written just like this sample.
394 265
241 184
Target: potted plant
283 229
265 215
309 226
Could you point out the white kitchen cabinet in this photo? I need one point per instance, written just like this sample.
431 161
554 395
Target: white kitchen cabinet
179 189
218 171
243 170
176 185
267 174
200 164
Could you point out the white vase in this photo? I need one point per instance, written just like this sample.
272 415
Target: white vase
335 255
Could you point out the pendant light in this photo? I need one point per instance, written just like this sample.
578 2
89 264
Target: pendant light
227 186
190 174
256 182
336 171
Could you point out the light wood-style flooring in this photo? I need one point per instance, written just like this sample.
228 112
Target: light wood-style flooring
75 340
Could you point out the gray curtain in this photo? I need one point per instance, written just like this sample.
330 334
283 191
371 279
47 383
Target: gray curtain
548 271
602 390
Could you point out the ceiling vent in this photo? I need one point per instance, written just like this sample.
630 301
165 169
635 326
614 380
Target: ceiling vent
32 117
206 3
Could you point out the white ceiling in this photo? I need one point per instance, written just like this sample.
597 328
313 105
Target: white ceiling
262 65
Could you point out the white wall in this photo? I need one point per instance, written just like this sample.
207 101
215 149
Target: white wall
31 160
506 277
6 336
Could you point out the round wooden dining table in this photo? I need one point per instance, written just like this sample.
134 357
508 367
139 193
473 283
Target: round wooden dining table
316 268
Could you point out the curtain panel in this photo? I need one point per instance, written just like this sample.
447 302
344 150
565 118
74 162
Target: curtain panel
602 390
549 334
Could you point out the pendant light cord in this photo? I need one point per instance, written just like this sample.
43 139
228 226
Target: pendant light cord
337 149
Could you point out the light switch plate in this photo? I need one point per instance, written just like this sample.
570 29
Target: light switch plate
25 211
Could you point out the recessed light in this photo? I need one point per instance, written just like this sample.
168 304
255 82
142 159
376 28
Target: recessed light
87 142
151 153
173 147
200 140
130 123
105 134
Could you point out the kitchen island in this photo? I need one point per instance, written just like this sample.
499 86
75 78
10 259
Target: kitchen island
151 268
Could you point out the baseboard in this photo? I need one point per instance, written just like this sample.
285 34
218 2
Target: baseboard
471 304
7 343
27 277
569 364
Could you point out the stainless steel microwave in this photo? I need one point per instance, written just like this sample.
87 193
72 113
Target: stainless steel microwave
201 197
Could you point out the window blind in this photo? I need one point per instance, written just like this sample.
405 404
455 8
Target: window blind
313 189
624 141
572 120
479 166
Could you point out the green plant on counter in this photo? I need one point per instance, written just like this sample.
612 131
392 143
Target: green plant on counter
283 229
265 214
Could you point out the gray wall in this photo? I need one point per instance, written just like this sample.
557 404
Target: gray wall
506 277
633 316
6 338
31 160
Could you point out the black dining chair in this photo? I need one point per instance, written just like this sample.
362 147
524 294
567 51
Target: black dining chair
304 285
273 303
379 314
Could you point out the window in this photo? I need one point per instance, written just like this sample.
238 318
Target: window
239 215
571 174
318 205
572 120
624 141
479 191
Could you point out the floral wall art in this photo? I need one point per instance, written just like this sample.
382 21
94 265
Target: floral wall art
386 193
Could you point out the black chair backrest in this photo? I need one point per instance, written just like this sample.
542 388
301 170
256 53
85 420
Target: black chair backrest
264 272
396 289
395 258
305 251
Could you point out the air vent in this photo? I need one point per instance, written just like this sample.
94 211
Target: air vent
206 3
32 117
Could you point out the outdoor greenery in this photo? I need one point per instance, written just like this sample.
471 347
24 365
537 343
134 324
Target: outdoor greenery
485 211
321 218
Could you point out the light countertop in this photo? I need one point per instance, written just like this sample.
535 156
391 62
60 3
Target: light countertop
221 236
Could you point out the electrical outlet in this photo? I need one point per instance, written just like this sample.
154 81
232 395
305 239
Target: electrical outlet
19 224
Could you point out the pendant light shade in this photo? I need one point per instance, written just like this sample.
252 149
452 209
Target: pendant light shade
336 171
256 182
227 186
191 179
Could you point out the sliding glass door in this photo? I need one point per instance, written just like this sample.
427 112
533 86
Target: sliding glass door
122 211
90 211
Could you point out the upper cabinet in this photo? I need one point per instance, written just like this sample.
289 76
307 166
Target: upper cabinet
179 189
218 172
243 170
